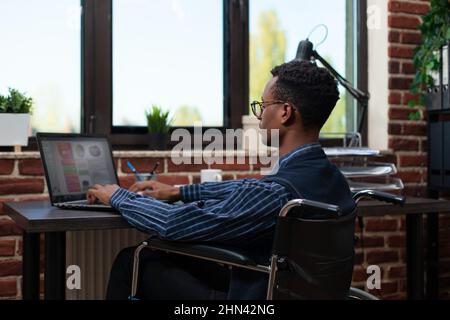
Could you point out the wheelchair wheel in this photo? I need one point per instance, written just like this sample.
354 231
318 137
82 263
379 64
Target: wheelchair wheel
357 294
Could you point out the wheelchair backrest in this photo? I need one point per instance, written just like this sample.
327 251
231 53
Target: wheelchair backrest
315 251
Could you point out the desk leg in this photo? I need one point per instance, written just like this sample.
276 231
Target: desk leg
432 265
432 259
30 266
414 256
55 266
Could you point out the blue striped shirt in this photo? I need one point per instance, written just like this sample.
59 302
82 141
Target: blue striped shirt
228 212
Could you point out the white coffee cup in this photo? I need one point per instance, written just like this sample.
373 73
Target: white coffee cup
211 175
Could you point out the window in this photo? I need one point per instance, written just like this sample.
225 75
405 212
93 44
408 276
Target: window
277 27
169 54
200 59
40 55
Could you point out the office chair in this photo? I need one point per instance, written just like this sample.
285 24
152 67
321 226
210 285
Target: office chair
312 258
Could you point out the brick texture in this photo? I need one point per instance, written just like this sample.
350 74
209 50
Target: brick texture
187 165
8 227
408 7
8 287
10 268
6 167
7 248
143 165
32 167
21 186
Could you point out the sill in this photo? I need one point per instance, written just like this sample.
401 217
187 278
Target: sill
144 154
20 155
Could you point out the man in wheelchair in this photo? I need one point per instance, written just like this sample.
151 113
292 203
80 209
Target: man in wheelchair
297 101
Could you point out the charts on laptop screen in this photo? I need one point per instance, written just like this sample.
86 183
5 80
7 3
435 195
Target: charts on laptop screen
75 165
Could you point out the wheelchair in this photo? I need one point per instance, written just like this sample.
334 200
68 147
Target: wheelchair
311 259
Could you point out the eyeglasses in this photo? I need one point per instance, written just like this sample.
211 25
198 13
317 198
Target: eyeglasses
259 106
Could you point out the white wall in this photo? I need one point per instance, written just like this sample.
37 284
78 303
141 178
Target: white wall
378 73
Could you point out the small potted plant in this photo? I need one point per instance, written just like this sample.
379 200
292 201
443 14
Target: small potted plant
435 33
15 113
158 124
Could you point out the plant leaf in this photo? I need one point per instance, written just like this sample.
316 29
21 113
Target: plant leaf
158 120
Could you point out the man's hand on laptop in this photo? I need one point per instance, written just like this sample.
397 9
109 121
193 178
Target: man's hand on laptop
157 190
101 193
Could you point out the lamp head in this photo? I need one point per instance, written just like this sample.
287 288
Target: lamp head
304 50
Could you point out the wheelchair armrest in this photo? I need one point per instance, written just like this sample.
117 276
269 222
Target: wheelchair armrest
326 209
217 253
379 195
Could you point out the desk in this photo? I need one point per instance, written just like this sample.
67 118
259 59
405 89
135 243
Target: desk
413 209
37 217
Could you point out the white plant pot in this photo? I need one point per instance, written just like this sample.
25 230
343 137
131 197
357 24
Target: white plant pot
252 141
14 129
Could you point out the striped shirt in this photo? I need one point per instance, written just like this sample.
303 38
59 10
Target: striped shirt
227 212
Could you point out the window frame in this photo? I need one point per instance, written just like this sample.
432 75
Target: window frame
362 61
98 78
97 64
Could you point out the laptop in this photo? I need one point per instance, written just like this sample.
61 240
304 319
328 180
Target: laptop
72 164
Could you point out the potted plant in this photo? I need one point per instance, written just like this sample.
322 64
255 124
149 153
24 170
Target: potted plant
15 112
250 126
158 124
435 32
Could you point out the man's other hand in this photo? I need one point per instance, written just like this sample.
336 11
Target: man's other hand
101 193
152 185
157 190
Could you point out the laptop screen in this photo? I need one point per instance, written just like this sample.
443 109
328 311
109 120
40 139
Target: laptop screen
73 164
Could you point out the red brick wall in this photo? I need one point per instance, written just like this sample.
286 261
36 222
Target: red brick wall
19 180
407 138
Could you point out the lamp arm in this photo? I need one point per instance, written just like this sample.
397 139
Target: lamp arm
360 96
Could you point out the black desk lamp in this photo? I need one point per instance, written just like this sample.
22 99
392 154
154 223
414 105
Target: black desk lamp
306 52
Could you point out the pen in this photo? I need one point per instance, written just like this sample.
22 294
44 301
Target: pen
136 173
153 173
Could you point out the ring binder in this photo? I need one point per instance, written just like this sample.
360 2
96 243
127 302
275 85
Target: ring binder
435 174
446 155
433 97
439 127
445 76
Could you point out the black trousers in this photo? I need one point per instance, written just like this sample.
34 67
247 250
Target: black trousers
167 276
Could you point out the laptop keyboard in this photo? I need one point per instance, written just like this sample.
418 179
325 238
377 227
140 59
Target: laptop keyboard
77 202
80 204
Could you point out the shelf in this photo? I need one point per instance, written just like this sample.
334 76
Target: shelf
359 169
390 184
351 152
